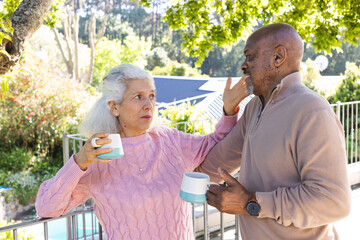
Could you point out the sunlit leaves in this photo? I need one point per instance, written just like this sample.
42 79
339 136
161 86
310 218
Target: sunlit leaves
324 24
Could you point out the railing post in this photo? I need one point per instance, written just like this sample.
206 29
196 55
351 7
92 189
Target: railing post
222 232
74 227
68 228
15 234
193 218
237 235
338 109
206 226
46 231
100 232
65 147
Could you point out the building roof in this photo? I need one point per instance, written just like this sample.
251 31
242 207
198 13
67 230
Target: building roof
170 89
206 92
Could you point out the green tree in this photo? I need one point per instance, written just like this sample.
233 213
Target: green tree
206 22
337 58
173 68
18 21
349 89
110 53
223 62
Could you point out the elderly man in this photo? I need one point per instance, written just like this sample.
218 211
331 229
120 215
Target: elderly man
289 146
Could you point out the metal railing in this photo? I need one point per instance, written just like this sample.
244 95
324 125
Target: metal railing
347 113
72 219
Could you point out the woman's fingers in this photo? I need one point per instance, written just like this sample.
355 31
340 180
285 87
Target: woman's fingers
101 140
99 151
100 135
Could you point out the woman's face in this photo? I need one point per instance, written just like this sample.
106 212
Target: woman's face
137 108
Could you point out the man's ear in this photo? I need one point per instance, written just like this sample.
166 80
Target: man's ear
281 55
114 109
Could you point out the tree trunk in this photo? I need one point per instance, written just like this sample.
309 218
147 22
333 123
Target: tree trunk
94 40
69 65
26 19
92 36
76 45
67 35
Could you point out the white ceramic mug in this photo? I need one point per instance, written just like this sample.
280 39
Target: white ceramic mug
116 144
194 186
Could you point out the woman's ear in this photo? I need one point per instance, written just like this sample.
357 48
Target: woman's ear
280 56
114 109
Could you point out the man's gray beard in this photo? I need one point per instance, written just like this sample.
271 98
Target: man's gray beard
249 87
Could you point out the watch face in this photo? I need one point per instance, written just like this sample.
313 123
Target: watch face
253 208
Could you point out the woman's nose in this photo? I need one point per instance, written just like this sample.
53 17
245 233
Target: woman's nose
148 103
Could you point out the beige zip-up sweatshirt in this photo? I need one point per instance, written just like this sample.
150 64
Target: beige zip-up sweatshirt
292 154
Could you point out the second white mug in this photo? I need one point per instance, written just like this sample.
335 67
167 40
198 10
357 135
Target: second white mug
194 186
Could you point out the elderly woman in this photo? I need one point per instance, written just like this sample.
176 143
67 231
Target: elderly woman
136 196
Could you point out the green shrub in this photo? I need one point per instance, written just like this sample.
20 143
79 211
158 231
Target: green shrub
311 76
3 176
24 185
186 117
42 106
42 170
349 89
15 160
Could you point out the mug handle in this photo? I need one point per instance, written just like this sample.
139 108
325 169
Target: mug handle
213 183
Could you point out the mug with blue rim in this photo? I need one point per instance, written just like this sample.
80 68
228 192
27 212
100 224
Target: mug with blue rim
194 186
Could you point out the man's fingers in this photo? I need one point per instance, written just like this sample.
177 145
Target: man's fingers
227 177
228 83
215 189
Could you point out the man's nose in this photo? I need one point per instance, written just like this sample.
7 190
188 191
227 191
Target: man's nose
244 65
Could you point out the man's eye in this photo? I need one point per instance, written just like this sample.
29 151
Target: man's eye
152 96
137 97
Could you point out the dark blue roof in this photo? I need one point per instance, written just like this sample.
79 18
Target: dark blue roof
170 89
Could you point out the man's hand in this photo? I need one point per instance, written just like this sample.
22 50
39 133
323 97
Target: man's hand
233 96
231 198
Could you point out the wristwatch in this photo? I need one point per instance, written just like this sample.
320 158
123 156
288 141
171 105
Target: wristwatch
253 207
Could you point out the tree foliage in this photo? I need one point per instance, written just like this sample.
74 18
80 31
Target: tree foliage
349 89
110 53
206 22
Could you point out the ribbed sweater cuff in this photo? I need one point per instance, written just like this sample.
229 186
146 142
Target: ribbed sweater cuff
70 173
267 204
230 120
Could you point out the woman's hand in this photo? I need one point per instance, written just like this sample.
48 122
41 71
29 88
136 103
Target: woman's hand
233 96
87 154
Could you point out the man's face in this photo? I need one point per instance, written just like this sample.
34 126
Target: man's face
257 65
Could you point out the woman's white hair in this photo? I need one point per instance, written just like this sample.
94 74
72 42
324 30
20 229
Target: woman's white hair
99 118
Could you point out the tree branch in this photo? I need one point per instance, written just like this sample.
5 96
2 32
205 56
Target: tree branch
26 19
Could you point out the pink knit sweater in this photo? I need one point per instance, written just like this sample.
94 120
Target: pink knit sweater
137 196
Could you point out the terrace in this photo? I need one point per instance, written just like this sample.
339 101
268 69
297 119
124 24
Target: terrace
208 223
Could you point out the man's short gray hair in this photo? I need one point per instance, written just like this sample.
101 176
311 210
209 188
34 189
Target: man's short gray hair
99 118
